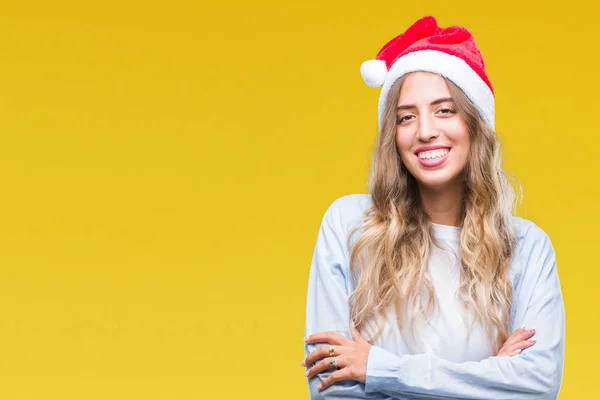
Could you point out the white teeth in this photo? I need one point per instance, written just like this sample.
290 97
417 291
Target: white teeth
433 154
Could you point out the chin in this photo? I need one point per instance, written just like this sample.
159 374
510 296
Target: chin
437 181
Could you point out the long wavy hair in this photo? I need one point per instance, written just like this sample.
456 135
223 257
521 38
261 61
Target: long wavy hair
389 259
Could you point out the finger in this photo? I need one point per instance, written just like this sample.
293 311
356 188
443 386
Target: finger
334 377
513 337
323 365
524 332
507 352
321 352
503 353
315 355
516 347
519 335
522 345
326 337
356 336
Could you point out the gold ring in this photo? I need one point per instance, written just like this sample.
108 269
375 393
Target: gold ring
331 350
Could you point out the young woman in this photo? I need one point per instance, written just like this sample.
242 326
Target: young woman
429 287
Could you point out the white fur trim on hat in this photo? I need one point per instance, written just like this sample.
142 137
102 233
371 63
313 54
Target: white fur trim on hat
449 66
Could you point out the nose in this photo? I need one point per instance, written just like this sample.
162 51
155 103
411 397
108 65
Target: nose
426 129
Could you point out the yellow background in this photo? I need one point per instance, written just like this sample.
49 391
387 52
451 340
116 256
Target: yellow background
165 166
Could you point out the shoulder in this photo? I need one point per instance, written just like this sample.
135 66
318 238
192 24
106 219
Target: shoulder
341 218
534 252
528 233
343 215
347 210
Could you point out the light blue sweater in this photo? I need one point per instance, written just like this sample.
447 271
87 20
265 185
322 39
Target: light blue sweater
536 373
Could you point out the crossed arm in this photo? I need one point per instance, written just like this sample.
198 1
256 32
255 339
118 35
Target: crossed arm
533 374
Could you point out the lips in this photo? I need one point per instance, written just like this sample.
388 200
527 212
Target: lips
434 162
431 148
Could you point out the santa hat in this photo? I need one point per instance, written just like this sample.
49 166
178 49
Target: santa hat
450 52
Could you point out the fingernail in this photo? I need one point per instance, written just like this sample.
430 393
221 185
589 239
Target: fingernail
320 387
306 338
302 364
518 351
306 373
532 341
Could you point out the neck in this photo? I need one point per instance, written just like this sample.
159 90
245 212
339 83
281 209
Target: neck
442 206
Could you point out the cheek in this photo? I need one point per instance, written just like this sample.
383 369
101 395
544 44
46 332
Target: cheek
459 132
403 142
462 143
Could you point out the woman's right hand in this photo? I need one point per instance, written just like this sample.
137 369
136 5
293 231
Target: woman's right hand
517 341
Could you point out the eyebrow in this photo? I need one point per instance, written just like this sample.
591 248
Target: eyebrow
433 103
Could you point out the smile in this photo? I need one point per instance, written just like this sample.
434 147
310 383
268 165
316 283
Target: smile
433 154
433 158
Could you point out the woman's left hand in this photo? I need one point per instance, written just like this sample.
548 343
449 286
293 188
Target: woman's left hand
350 357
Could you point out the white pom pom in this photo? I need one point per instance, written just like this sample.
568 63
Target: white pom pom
373 72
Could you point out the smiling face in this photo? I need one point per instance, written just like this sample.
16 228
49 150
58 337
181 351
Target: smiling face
432 138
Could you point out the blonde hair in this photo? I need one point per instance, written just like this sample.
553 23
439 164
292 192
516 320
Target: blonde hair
389 259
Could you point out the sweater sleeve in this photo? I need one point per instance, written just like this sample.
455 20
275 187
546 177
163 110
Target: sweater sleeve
327 307
536 373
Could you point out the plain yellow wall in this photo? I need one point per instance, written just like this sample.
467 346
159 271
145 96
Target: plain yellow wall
165 167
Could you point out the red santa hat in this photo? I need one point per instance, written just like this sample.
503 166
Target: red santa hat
450 52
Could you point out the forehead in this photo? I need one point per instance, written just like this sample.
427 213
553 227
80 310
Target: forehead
422 88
